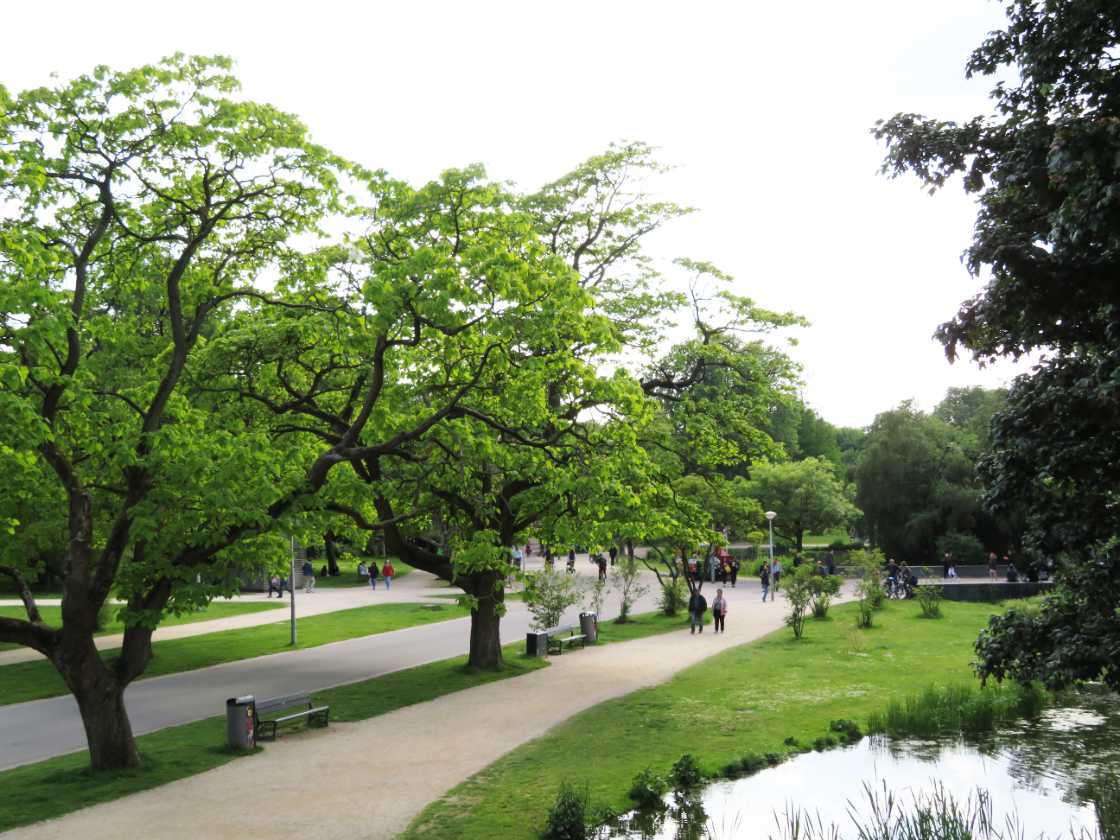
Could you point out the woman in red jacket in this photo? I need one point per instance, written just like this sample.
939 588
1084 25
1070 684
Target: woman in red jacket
387 572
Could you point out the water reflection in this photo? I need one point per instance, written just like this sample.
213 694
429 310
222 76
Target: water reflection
1041 771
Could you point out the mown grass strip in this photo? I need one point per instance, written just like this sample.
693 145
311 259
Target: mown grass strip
24 681
213 611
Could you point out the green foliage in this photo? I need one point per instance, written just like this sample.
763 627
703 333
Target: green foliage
916 480
929 599
674 596
1042 166
824 589
870 594
957 709
965 548
648 789
685 773
567 819
548 594
806 495
626 580
798 589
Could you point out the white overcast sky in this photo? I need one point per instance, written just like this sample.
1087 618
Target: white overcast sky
763 108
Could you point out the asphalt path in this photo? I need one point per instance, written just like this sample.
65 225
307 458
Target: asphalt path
41 729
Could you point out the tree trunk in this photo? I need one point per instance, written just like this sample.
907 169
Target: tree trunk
486 641
332 555
108 730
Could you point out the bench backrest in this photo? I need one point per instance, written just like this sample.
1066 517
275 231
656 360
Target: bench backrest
555 631
283 702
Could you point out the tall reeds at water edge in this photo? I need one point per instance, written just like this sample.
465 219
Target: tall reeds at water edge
933 816
959 708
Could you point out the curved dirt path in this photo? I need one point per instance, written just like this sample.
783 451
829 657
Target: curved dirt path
319 784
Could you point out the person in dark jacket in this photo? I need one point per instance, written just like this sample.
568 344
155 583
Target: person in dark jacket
697 606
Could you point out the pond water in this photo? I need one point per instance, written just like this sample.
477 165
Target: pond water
1037 770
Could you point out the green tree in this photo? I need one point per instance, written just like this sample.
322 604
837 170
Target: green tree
1043 169
138 210
915 481
806 495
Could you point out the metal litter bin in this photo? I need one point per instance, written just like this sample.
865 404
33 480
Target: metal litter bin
589 627
536 643
240 713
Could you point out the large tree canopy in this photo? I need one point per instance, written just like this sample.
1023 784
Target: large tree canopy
1044 168
805 494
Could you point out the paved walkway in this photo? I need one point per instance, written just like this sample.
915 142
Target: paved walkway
410 757
181 698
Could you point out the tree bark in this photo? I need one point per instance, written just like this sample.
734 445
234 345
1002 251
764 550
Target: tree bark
486 641
108 730
100 696
332 555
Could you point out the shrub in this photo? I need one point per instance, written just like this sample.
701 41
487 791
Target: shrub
823 743
567 819
548 593
929 599
648 788
773 759
870 587
848 731
594 596
824 589
674 596
965 548
625 580
685 774
798 589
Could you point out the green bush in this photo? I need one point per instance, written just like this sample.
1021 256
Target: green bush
752 763
798 588
929 599
567 820
965 548
848 731
648 788
674 597
825 588
685 774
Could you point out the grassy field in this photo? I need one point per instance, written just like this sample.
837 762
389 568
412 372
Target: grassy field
215 610
60 785
746 700
35 680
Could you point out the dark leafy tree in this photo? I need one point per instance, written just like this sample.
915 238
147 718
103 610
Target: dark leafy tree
1044 168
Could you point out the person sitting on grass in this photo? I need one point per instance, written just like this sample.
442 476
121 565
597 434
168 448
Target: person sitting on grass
362 570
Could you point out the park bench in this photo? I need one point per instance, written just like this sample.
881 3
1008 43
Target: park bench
317 715
557 643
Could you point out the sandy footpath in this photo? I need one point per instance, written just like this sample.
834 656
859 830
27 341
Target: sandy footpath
370 779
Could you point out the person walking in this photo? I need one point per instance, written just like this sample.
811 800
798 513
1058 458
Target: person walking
734 571
373 576
571 561
993 566
697 606
719 611
764 577
601 562
775 574
308 577
387 572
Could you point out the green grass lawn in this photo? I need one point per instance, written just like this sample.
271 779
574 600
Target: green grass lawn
35 680
215 610
745 700
60 785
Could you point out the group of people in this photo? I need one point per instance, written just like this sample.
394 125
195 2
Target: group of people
370 572
698 607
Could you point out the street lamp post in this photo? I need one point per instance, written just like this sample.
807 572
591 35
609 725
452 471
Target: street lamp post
292 589
770 515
